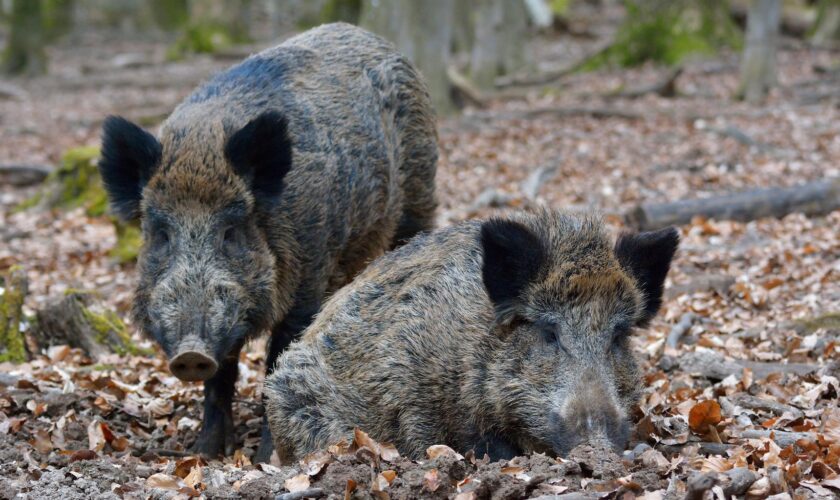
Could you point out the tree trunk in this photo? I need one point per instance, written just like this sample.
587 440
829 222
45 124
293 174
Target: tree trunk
758 67
828 23
463 27
501 28
489 22
422 31
25 50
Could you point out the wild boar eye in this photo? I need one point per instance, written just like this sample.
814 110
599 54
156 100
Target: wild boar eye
550 336
232 240
160 240
620 332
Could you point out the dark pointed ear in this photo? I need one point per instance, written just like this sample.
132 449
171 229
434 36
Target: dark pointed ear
513 258
647 258
129 157
261 153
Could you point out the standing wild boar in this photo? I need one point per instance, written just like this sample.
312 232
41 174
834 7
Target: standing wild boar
270 186
504 336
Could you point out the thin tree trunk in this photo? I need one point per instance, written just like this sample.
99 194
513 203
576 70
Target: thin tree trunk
25 50
501 28
422 31
758 67
484 63
828 23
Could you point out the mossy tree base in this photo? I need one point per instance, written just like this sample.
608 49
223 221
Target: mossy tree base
77 321
12 343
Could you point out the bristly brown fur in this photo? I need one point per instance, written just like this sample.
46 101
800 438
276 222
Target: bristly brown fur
415 352
361 181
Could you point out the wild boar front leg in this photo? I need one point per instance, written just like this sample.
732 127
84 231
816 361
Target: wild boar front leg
217 429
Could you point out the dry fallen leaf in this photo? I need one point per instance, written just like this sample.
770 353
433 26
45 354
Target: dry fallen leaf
314 462
389 475
349 489
703 415
58 353
184 466
165 482
82 455
438 450
297 483
195 477
431 481
96 436
41 441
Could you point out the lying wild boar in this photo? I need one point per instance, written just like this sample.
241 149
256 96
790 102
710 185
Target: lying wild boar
269 187
505 336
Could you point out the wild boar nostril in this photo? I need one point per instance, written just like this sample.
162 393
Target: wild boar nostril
193 366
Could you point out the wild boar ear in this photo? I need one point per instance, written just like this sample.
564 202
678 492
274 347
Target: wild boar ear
128 160
261 153
647 257
513 258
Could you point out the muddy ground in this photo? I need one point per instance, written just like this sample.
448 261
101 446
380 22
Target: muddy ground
752 309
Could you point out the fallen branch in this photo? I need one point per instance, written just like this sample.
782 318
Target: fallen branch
551 76
714 366
680 329
706 448
465 88
23 175
774 407
718 283
815 198
11 91
530 187
781 438
667 87
298 495
484 119
164 452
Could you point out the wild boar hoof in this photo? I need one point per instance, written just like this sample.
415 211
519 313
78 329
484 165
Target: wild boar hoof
216 438
266 447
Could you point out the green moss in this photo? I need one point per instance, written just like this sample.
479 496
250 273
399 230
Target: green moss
668 33
11 303
111 331
170 15
830 321
348 11
560 7
31 202
73 184
57 17
207 38
129 241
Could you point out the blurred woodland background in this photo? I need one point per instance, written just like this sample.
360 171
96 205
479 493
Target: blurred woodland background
721 117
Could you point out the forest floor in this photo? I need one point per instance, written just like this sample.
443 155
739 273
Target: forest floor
749 380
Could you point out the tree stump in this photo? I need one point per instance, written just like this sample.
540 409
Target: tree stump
12 342
77 322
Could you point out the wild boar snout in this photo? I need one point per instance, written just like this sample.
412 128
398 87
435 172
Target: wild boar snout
193 363
592 415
